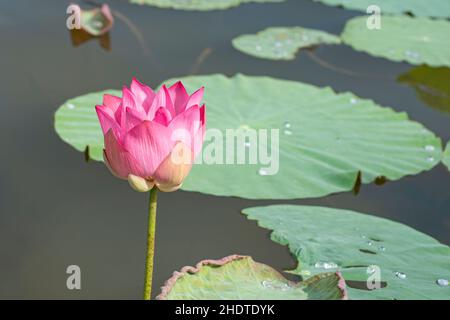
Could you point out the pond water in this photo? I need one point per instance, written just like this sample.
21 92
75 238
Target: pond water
57 210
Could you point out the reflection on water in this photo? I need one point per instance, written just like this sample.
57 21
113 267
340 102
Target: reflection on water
79 37
431 84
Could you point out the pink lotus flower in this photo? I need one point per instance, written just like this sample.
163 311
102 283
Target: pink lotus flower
152 138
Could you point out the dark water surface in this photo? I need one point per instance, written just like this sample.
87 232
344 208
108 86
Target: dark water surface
57 210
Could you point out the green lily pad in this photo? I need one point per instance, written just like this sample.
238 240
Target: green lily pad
201 5
325 138
431 84
446 159
419 8
77 124
326 239
240 278
414 40
282 43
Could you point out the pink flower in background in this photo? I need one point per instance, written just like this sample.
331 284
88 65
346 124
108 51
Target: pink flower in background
152 138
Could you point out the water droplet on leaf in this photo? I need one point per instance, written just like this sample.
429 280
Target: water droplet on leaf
326 265
412 55
275 285
97 24
442 282
429 148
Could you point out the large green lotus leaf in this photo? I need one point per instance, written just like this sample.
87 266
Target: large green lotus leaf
325 139
326 239
240 278
446 159
419 8
414 40
201 5
281 43
77 124
431 84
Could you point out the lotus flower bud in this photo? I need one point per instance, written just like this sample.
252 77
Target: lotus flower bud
152 138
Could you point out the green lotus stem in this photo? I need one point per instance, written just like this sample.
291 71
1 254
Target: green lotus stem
150 243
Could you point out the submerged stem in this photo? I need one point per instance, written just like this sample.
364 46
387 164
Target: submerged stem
150 243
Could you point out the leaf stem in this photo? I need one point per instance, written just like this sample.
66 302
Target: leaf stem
150 243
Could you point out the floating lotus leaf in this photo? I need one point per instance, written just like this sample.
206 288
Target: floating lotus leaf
411 264
77 124
282 43
414 40
240 278
201 5
431 84
97 21
419 8
325 138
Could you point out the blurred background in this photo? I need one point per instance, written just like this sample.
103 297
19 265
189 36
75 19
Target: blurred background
57 210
